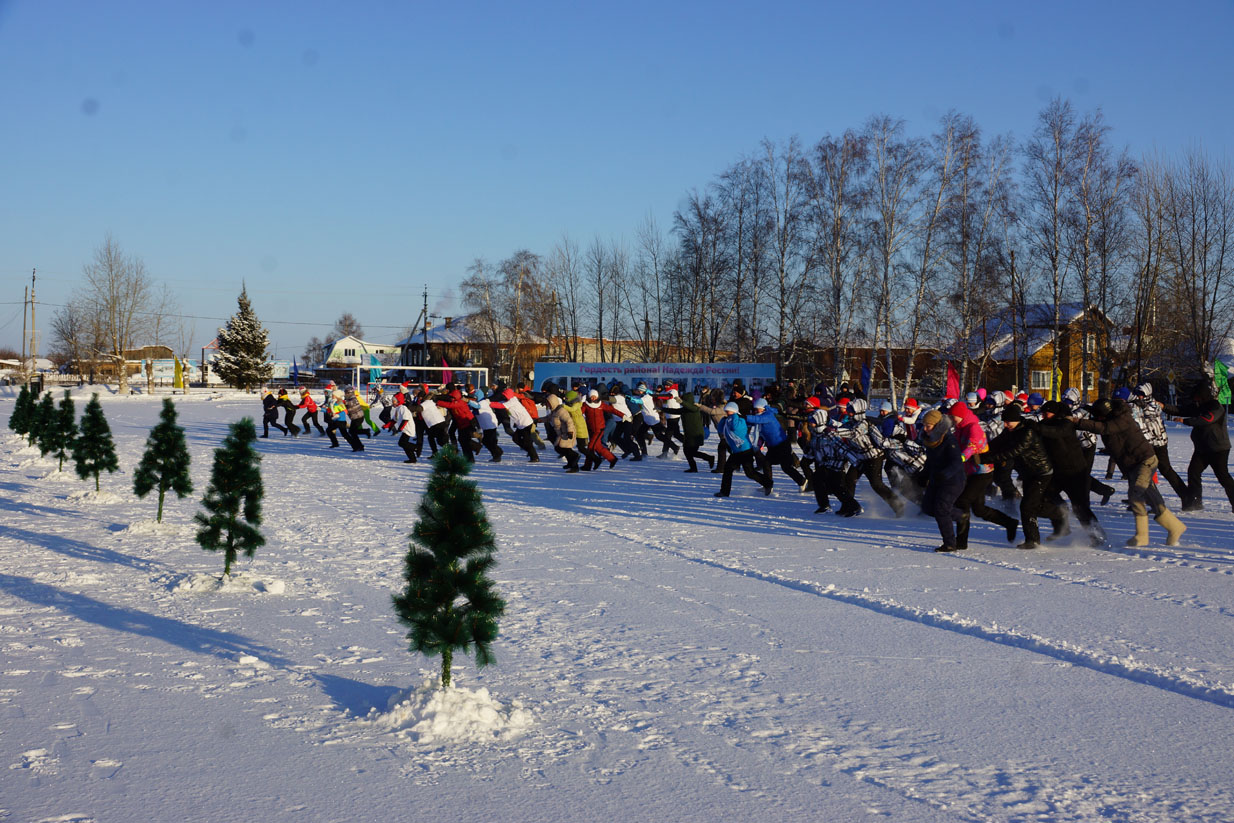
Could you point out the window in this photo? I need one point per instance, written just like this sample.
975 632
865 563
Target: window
475 356
1041 381
1090 343
1090 380
349 352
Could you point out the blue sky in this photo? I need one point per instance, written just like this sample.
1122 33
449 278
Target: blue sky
343 156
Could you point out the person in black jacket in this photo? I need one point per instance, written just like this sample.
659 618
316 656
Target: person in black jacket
1071 476
1211 442
270 413
1020 442
944 468
1134 455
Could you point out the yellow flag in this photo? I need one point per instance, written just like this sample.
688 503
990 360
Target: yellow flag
1056 390
178 381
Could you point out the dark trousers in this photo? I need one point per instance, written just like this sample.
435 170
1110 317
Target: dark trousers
1076 487
621 436
832 482
745 461
692 446
597 452
972 499
523 439
570 455
407 445
1201 459
435 435
331 427
1034 504
489 440
782 456
1167 471
353 434
1096 486
466 442
873 471
940 502
271 418
310 419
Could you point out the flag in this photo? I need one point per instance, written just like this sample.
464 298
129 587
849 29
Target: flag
1056 388
374 374
953 383
865 379
177 382
447 376
1221 377
295 372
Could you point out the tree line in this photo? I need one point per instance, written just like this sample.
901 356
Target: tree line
884 240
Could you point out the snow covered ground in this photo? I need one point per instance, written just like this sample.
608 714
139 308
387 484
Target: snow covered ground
666 656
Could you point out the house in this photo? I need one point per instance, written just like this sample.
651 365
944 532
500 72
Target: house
1003 348
467 341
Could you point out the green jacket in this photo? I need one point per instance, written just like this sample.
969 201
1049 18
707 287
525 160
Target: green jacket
691 417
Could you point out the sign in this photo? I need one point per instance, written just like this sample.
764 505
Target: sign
689 376
1172 377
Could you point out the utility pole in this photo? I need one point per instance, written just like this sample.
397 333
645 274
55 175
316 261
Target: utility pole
424 361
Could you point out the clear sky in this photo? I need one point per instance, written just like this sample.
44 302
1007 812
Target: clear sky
343 156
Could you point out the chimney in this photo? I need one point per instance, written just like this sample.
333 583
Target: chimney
448 319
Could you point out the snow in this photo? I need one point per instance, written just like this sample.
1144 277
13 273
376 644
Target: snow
665 655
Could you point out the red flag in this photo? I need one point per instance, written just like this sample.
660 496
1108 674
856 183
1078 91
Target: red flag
953 383
446 376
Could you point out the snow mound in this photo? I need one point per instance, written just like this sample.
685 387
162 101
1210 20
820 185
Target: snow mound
61 476
153 528
241 582
91 496
430 714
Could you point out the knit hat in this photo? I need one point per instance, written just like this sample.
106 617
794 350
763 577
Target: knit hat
1122 393
760 403
1072 396
972 399
593 394
1056 408
931 418
1012 414
911 403
1144 390
731 408
1036 399
981 394
571 396
814 402
857 406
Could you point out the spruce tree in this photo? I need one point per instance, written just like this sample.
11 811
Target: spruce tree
45 422
61 431
449 603
233 498
94 451
241 359
19 420
165 464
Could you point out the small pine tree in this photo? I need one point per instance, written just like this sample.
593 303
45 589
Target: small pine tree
450 603
19 420
233 498
94 451
241 358
60 433
44 436
165 464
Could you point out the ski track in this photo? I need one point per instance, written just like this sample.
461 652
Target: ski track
1161 677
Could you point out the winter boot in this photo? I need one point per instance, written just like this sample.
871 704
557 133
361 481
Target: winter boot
1141 531
961 532
1173 526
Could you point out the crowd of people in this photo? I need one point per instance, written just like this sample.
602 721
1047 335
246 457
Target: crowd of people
951 459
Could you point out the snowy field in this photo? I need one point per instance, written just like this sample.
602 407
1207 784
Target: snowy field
665 656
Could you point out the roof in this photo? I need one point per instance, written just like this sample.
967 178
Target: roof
994 338
468 330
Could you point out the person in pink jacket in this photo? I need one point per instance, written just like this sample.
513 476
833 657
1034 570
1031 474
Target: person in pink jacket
971 438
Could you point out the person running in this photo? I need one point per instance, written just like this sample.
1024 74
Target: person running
464 421
1147 413
356 413
1071 476
270 413
779 447
734 431
289 413
970 436
561 424
310 412
1021 443
403 423
867 457
690 415
1134 455
434 424
1210 440
596 413
944 470
521 423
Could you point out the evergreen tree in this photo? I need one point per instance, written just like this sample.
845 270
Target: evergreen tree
94 451
241 359
19 420
449 603
45 422
165 464
61 431
233 498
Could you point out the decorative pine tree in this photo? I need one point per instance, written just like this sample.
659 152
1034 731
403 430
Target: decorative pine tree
94 451
233 498
45 421
241 359
19 420
60 433
450 603
165 464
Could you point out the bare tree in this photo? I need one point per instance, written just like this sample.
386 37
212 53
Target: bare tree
118 295
1149 250
564 279
347 326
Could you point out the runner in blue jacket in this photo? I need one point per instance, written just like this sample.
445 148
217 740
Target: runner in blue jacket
735 434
